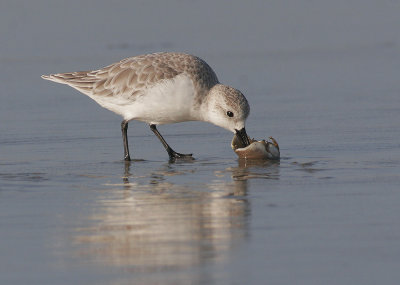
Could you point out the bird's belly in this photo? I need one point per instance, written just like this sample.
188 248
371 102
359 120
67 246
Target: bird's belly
169 101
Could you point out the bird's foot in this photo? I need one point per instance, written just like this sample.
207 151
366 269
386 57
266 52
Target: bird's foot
173 155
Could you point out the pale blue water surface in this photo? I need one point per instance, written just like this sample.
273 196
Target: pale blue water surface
322 78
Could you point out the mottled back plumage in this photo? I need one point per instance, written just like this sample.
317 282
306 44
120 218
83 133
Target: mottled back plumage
129 77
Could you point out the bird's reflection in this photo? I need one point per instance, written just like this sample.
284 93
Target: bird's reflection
152 222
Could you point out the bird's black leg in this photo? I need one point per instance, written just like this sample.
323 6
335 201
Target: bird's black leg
124 129
172 154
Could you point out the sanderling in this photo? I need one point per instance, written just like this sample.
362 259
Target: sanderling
162 88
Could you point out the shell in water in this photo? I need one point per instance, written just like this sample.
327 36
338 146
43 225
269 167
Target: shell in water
257 149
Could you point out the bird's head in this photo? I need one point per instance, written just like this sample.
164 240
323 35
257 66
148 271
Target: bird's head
227 108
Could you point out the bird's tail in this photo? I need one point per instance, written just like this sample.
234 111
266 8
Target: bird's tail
81 80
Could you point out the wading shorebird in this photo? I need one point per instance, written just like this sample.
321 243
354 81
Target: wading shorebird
162 88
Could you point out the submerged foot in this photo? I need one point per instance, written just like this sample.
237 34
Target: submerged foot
173 155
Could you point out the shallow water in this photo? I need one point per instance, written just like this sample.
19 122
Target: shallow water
72 212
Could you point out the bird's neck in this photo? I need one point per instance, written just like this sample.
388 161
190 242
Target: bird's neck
207 108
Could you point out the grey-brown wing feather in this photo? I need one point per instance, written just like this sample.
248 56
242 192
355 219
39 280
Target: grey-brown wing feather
130 77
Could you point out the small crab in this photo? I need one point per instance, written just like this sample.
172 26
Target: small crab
257 149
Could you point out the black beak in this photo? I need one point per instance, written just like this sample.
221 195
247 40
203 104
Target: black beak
243 136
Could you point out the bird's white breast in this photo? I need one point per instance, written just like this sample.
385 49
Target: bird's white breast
169 101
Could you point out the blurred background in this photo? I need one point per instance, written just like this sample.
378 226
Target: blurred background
60 29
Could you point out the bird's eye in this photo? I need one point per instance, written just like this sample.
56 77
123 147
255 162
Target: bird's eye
230 114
